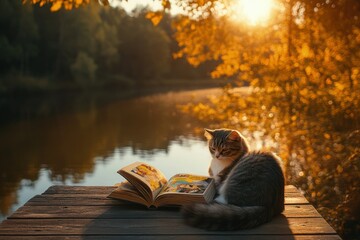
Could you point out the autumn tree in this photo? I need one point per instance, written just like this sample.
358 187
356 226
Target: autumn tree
303 70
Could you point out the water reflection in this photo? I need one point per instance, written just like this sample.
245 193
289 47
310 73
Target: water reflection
86 145
68 147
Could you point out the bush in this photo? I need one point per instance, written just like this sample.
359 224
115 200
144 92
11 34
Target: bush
84 70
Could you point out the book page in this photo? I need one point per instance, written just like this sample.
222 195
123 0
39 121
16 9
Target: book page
187 183
126 186
126 191
153 179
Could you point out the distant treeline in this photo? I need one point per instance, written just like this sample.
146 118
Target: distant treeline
89 47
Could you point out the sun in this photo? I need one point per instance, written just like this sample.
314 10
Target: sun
252 11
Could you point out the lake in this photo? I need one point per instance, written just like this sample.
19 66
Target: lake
84 140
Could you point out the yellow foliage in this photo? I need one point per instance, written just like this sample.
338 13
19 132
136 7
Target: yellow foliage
56 6
155 17
304 92
327 55
339 86
244 67
305 51
338 57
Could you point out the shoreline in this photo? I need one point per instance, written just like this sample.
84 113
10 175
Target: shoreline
161 85
18 107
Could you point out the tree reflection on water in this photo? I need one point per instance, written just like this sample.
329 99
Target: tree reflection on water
68 142
322 159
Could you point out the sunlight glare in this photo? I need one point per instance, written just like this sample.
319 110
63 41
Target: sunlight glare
252 11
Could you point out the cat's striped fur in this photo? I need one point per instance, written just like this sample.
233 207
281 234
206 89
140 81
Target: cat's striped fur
250 187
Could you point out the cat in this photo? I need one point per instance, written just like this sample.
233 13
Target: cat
250 185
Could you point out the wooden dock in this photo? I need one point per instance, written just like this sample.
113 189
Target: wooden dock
73 212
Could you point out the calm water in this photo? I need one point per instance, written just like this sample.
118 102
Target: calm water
84 141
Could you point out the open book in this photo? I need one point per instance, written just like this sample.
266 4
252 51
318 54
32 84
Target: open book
147 185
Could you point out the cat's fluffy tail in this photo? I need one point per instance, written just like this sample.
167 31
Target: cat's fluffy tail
224 217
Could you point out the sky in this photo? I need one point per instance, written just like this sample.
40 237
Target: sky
130 5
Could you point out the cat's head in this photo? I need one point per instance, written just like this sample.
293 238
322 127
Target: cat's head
226 144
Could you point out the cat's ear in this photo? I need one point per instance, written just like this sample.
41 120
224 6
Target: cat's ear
208 133
234 136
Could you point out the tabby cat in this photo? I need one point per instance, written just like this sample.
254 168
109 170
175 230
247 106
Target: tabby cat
250 185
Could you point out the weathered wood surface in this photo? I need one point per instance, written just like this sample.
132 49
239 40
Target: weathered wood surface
66 212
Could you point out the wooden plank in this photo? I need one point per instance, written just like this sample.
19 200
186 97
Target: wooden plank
181 237
104 194
129 211
98 199
279 226
291 188
72 212
59 189
74 200
296 200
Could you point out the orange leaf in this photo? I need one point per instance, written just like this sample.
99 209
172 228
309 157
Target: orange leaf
155 17
56 6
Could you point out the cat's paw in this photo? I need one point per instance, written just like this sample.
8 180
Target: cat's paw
220 199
